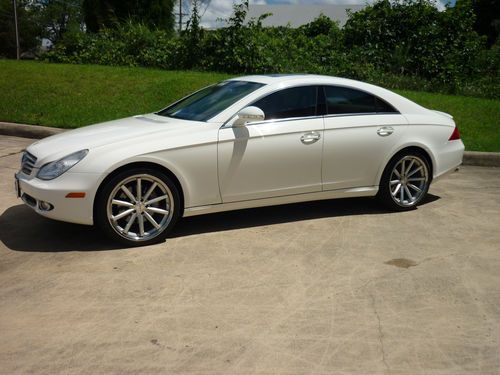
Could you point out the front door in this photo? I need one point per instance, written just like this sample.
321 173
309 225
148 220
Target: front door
275 157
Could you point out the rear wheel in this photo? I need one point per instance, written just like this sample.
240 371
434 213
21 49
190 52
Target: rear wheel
138 207
405 181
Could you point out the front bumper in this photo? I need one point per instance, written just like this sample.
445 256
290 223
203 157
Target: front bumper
34 191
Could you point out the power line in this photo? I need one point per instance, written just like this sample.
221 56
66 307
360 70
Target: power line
187 5
206 7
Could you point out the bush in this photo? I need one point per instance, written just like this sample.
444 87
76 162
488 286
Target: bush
407 45
415 38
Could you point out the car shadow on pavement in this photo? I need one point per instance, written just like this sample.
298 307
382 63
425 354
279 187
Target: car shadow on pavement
23 230
256 217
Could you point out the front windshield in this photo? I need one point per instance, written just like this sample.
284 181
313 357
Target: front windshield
210 101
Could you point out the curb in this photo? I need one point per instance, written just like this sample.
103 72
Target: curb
27 131
483 159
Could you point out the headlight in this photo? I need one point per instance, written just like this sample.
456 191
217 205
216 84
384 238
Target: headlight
56 168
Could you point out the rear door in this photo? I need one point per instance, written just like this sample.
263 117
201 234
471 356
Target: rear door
360 132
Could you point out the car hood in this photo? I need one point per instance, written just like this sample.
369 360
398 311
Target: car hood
131 129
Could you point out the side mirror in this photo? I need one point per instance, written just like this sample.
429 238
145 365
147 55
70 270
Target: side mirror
249 114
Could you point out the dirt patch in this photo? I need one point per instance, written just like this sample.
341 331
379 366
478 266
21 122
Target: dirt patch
402 263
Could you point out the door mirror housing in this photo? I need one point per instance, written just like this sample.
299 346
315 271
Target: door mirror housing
249 114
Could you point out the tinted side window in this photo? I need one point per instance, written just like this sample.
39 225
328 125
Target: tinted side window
340 100
343 100
292 102
384 107
210 101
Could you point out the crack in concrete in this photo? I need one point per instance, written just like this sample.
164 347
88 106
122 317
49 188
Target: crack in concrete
12 153
439 257
380 334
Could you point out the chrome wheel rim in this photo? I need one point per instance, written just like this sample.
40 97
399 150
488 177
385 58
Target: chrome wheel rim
140 207
409 181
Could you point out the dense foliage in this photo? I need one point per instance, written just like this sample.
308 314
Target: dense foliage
108 13
52 19
38 19
487 19
400 44
29 30
56 17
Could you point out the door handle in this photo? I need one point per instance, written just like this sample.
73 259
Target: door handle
310 138
384 131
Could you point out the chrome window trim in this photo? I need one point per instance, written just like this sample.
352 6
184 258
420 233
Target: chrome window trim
311 118
362 114
288 119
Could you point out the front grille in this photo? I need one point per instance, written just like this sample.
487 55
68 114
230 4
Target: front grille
27 163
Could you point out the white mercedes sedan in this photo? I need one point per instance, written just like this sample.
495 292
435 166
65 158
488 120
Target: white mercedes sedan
245 142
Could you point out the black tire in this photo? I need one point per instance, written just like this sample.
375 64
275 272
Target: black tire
115 201
397 202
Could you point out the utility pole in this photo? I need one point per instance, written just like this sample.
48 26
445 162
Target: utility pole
180 16
17 30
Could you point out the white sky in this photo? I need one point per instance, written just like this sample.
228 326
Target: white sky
223 8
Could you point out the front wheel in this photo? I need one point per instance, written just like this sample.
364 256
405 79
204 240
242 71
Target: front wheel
138 207
405 181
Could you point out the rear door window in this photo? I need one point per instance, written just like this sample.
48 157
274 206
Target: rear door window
344 100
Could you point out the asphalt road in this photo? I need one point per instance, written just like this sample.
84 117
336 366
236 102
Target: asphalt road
326 287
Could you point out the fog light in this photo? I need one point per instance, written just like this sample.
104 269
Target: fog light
45 206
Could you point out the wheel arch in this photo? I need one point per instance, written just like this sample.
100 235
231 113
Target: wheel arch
140 164
407 148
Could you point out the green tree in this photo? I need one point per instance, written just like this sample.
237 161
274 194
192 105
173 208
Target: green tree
487 19
322 25
413 37
109 13
56 17
192 37
29 28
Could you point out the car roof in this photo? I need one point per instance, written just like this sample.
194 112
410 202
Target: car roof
290 80
274 82
278 78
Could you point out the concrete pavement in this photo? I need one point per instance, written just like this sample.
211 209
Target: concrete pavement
324 287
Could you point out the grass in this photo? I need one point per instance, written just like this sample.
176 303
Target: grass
71 96
477 119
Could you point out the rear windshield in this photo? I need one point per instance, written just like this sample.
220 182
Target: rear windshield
210 101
